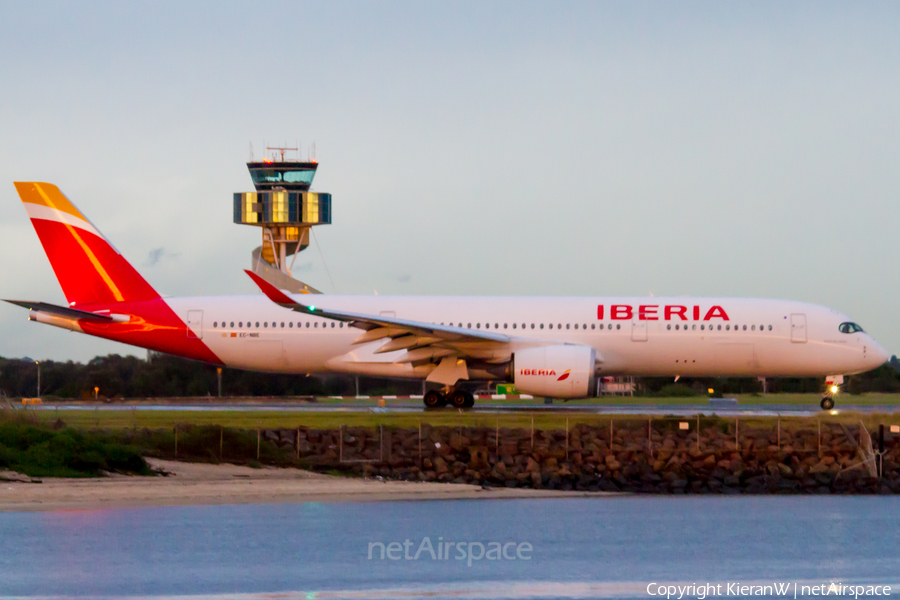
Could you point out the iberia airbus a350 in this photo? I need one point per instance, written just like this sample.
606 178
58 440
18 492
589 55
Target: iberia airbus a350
549 346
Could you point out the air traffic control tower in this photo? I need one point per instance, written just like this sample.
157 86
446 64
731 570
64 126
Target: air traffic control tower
284 209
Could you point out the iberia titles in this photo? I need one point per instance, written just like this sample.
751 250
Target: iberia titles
655 312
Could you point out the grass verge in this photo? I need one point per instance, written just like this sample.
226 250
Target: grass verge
37 450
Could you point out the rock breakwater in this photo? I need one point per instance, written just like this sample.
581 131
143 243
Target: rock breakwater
640 457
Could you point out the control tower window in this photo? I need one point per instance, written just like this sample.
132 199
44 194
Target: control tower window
275 176
850 328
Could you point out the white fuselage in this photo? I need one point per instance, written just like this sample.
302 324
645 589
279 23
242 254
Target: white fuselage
692 337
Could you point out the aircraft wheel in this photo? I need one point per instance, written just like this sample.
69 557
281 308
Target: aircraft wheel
458 398
434 399
470 400
827 403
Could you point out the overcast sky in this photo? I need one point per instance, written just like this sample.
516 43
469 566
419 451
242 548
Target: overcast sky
733 149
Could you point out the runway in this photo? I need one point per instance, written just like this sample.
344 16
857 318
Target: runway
414 406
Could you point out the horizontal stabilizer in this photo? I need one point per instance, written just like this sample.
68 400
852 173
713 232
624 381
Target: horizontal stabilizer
62 311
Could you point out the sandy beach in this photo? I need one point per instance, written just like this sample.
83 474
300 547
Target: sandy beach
203 484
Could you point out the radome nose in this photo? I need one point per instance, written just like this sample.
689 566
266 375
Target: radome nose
876 355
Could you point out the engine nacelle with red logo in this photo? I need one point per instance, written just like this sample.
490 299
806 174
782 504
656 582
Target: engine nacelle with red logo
565 371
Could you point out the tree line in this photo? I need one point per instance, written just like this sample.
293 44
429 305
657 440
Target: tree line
163 375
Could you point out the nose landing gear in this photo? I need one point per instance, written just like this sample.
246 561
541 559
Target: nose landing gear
832 386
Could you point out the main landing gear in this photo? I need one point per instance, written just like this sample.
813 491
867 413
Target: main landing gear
455 398
827 403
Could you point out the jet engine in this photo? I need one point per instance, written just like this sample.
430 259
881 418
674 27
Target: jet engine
565 371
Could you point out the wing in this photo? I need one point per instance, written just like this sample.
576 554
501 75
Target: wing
423 342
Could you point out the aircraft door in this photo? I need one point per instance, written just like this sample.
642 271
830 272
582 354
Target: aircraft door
195 324
798 328
639 331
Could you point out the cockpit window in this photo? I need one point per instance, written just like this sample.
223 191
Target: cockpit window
850 328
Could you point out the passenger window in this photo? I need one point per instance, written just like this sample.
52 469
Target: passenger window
618 326
332 324
514 325
542 325
257 324
567 325
232 324
532 325
694 327
753 328
478 325
496 325
504 326
593 325
307 324
669 326
265 323
770 328
316 324
719 327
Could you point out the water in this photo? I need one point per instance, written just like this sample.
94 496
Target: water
585 548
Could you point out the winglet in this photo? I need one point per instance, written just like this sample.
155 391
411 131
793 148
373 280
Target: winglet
272 292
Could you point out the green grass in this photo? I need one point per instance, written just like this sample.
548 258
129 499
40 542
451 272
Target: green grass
546 420
33 448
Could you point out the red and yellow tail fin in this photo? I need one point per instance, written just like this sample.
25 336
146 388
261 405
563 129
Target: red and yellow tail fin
89 269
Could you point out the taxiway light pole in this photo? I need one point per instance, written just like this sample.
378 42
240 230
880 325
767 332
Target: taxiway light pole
219 377
38 363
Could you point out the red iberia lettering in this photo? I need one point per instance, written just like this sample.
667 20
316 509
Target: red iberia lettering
536 372
648 312
716 312
651 312
676 310
620 312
